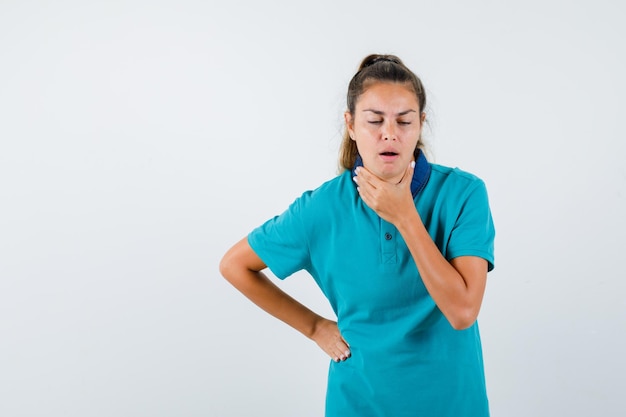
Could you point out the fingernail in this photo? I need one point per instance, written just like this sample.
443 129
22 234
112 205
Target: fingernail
347 353
357 170
355 179
412 164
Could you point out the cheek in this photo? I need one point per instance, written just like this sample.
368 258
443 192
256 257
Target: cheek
368 130
414 134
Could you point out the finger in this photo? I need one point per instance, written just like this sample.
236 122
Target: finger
365 193
362 186
364 176
341 355
339 350
342 350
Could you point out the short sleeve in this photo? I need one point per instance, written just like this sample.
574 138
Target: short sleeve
473 233
281 242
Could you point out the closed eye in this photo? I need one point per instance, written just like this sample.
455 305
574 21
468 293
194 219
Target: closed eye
374 122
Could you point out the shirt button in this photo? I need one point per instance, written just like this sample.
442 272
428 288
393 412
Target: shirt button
388 236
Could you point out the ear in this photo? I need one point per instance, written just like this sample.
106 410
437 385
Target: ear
423 117
347 117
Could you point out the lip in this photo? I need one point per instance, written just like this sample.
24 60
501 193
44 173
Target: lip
389 155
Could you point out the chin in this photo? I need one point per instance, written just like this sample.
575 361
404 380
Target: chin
391 176
387 172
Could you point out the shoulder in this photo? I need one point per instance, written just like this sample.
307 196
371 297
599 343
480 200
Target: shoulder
453 180
454 174
316 207
454 188
460 205
330 192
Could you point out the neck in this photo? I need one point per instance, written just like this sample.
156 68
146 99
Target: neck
421 173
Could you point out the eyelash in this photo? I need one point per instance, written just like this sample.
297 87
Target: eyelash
377 122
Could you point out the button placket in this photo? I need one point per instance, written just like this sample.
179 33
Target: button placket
388 242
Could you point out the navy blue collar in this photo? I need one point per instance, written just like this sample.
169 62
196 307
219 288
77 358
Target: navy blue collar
420 174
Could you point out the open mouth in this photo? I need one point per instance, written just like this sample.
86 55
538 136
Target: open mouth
389 156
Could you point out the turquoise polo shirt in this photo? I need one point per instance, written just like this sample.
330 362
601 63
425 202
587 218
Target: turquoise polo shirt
407 360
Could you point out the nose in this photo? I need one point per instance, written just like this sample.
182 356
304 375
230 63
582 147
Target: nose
388 131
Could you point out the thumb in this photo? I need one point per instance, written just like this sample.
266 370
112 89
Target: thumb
408 174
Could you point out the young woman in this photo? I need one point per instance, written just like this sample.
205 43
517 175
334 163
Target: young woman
400 247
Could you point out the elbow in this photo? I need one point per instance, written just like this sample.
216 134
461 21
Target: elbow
226 267
462 320
223 267
236 264
462 324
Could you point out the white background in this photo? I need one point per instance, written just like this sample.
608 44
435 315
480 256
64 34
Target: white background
139 140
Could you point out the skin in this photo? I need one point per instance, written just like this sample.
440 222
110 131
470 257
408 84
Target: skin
386 119
242 268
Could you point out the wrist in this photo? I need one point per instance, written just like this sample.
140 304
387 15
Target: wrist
317 323
408 220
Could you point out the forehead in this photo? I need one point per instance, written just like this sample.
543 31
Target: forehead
388 95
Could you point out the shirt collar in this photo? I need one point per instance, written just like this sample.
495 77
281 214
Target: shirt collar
420 174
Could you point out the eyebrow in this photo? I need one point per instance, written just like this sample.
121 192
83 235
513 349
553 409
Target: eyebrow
381 113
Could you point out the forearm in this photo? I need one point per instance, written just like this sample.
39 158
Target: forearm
242 268
458 297
269 297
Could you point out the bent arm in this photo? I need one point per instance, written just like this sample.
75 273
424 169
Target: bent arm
242 267
456 286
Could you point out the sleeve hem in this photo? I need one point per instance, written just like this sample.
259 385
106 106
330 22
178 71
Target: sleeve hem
478 253
267 261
